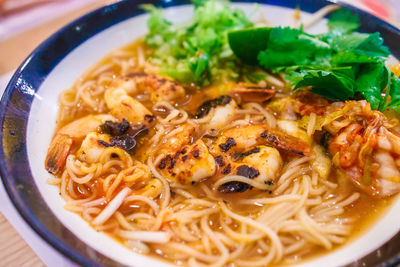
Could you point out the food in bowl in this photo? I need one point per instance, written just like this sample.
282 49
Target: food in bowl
215 142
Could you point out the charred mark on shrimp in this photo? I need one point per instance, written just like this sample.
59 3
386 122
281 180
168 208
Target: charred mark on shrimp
205 108
239 187
247 171
227 169
233 187
227 145
115 128
239 155
104 143
123 134
164 162
220 161
149 118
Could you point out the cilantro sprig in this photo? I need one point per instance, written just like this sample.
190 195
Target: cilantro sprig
339 65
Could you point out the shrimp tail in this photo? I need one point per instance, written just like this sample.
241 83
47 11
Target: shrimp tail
253 92
285 142
57 153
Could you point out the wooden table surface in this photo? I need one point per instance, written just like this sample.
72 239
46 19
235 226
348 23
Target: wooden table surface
14 251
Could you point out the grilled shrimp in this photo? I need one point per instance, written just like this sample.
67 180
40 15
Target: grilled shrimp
245 137
252 152
160 88
71 133
223 110
98 132
122 105
262 164
92 147
119 98
184 161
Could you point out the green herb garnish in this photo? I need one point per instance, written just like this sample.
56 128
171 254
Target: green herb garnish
339 65
196 51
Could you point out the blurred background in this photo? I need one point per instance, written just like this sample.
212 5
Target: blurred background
24 24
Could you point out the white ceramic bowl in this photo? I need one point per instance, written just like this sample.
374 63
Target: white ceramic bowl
28 116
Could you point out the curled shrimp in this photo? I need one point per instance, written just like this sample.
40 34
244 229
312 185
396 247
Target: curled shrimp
122 105
119 96
159 87
366 149
183 160
245 137
253 152
67 136
362 142
217 112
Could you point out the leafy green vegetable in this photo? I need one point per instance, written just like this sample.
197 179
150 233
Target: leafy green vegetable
359 48
196 51
288 47
371 82
320 79
394 94
338 65
343 20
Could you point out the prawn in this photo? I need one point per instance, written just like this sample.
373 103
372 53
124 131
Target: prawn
69 135
222 110
362 142
122 106
183 160
366 149
253 152
159 87
245 137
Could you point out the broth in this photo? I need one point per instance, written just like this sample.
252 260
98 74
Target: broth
297 243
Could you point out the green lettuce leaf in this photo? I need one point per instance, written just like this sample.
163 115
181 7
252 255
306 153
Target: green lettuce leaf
196 51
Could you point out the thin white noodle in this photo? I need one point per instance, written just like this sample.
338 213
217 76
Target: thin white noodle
238 178
146 200
138 246
271 200
167 191
112 206
264 228
271 79
97 202
146 236
220 246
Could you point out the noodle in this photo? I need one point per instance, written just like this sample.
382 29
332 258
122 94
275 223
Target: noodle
130 195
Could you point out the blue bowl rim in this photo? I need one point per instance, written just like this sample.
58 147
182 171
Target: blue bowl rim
15 92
